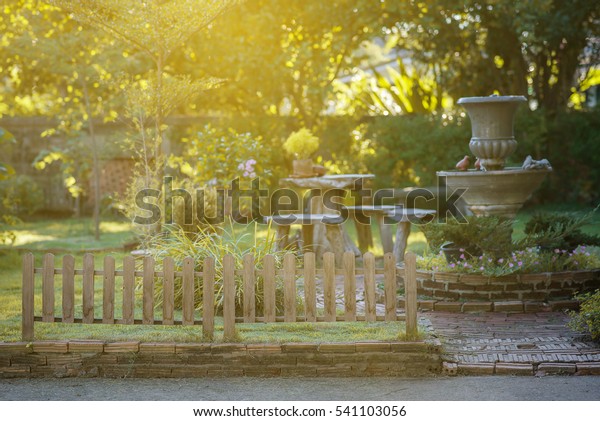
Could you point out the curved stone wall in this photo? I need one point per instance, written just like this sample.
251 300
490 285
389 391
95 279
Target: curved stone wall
537 287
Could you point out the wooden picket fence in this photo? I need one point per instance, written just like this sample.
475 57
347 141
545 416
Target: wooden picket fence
289 273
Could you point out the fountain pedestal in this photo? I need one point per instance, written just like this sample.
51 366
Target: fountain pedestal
495 193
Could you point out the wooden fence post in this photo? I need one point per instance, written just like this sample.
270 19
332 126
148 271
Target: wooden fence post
228 297
148 291
249 282
410 288
370 307
289 288
68 285
48 288
389 285
310 292
188 291
88 288
128 290
168 291
269 288
349 287
108 291
208 297
329 286
27 300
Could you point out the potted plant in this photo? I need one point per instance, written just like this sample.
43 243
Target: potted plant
302 144
472 237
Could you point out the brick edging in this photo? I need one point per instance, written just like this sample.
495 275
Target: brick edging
531 287
140 359
515 306
526 369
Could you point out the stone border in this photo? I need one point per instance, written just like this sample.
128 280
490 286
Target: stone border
548 291
493 306
135 359
521 369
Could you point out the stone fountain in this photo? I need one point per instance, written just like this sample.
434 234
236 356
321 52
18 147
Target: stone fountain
494 189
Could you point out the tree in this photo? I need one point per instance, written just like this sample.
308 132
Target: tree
535 48
281 58
81 88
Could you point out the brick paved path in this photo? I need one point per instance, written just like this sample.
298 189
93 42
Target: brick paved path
507 343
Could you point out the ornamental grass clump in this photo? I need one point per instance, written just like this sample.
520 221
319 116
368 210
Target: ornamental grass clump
216 243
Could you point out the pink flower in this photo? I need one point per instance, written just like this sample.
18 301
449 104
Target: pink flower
462 256
520 264
500 260
510 265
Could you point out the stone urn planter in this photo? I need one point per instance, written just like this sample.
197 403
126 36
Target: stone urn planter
492 121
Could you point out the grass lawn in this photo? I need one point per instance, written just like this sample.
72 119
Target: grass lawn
75 236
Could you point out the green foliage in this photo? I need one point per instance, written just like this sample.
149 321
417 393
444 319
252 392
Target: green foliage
21 195
530 260
570 140
216 244
587 319
6 170
407 151
302 144
215 156
558 231
488 234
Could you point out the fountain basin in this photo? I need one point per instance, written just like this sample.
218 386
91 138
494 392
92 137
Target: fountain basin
495 193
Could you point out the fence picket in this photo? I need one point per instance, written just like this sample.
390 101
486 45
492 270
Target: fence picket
48 288
329 286
88 288
128 289
269 288
108 291
68 289
349 287
168 291
310 292
249 297
27 297
208 296
228 297
188 291
148 291
389 282
410 288
289 288
369 267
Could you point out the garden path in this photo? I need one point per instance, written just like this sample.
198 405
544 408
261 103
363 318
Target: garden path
513 343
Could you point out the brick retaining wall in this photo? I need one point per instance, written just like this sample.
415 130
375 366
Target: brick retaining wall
537 287
135 359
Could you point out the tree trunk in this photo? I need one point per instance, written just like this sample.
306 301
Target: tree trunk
95 162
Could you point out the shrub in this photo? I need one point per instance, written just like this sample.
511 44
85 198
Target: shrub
301 144
530 260
558 231
21 195
488 234
587 320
